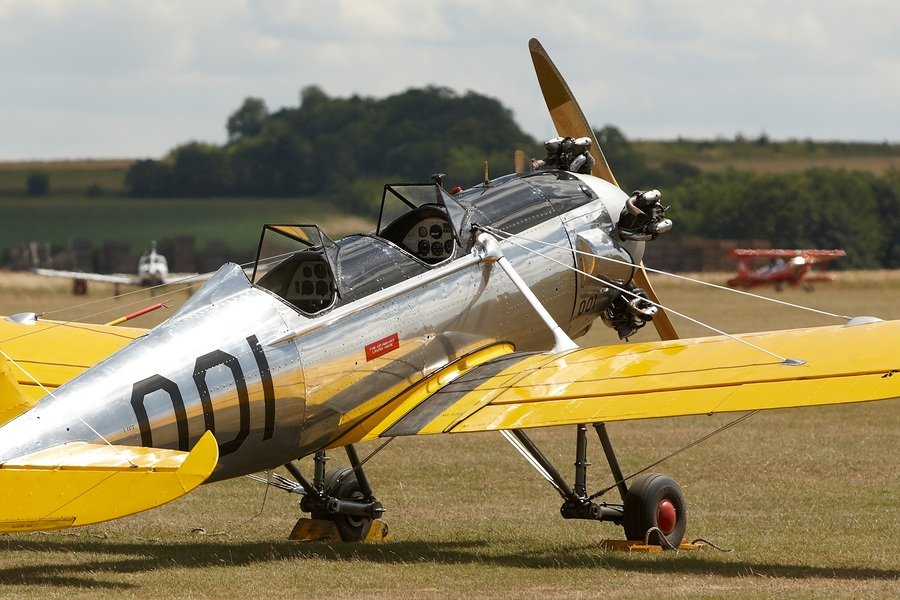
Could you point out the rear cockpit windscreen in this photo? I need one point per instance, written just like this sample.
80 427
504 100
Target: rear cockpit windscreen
422 219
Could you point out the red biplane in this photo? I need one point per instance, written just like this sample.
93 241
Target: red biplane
792 267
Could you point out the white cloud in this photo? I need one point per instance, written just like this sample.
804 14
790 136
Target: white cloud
120 78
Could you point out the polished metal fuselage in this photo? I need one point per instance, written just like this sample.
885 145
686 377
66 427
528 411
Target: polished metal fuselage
274 384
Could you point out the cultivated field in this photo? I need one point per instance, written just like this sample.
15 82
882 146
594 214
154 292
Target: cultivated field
235 222
808 500
871 164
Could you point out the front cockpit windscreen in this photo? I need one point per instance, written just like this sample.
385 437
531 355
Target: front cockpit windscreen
296 262
421 219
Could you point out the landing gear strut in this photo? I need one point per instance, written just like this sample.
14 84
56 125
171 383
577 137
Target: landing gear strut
653 506
340 496
346 505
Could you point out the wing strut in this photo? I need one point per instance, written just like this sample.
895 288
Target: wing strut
518 439
492 250
576 503
611 458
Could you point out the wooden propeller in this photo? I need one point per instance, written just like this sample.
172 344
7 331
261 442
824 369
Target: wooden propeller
570 121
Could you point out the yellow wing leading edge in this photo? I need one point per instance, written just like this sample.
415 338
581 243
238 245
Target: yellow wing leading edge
664 379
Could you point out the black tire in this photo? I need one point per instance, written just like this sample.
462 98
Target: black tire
649 503
341 483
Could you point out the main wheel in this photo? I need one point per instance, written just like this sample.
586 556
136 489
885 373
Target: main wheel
655 500
341 483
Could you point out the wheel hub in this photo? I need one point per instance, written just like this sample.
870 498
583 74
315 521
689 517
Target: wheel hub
666 516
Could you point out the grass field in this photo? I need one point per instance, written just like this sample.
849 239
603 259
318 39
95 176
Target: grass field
808 500
871 164
69 177
68 212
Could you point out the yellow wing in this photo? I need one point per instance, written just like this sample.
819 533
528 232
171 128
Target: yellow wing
651 380
45 354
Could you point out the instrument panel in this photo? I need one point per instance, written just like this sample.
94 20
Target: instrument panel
431 239
311 287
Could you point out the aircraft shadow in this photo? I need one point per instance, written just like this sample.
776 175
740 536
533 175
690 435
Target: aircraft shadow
137 558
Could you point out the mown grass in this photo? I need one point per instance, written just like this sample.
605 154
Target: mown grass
807 499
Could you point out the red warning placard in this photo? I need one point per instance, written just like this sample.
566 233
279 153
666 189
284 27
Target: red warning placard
382 347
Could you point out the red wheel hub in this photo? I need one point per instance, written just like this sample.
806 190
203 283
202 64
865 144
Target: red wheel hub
665 516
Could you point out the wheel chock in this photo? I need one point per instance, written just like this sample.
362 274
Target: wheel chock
378 532
640 546
323 530
315 530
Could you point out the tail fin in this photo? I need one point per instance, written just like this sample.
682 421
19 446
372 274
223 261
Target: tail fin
79 484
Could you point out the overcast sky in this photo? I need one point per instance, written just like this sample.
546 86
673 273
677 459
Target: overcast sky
120 78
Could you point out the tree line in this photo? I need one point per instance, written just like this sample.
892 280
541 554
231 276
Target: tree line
327 146
344 149
815 208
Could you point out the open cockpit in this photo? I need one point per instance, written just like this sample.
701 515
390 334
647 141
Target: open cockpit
304 267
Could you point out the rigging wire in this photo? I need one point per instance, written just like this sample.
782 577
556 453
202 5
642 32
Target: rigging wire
152 289
189 280
780 358
72 323
269 480
673 275
275 479
508 237
289 485
262 507
358 467
675 453
69 408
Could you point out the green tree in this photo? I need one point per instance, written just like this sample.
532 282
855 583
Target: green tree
887 198
248 120
149 178
199 169
818 208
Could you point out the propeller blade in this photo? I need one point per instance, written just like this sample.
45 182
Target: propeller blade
564 110
661 319
570 121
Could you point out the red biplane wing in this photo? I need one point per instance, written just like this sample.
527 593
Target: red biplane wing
811 256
